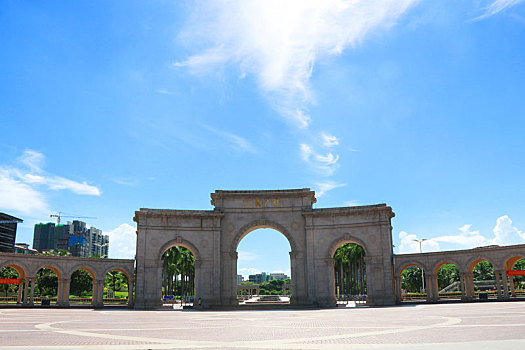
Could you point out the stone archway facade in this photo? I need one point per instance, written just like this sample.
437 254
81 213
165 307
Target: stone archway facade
28 266
314 235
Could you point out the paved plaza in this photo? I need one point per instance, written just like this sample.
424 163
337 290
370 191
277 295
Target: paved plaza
494 325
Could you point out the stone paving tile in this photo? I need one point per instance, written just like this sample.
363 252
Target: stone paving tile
284 329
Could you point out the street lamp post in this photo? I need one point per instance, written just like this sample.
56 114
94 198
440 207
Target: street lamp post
421 251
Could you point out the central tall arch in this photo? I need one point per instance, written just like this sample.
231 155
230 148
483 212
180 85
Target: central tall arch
313 235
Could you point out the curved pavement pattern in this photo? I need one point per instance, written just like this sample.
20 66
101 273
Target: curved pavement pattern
450 326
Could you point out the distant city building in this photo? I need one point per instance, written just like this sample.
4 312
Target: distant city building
278 276
98 243
265 277
23 248
8 226
259 278
73 237
240 279
49 237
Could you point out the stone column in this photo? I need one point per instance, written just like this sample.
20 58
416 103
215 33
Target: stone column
26 287
20 288
398 293
498 284
505 284
512 288
429 289
59 291
130 294
435 287
32 280
65 291
98 293
463 285
471 292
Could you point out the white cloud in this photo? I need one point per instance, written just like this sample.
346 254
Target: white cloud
33 160
324 187
122 242
246 256
467 238
408 245
60 183
164 92
504 233
497 6
246 271
237 142
306 152
326 164
329 140
20 197
352 203
20 187
279 42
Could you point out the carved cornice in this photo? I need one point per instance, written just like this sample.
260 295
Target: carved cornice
348 211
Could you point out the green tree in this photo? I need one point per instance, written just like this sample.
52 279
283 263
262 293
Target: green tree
178 272
9 272
114 281
46 283
447 274
350 269
411 279
81 283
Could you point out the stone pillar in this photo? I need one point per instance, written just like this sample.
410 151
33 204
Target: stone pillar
20 288
32 281
98 293
65 291
429 289
59 291
498 285
130 294
512 287
435 287
505 284
471 291
463 287
398 293
26 287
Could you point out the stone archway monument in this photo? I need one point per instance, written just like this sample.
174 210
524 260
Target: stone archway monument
314 235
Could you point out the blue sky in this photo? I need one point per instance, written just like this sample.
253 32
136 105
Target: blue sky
107 107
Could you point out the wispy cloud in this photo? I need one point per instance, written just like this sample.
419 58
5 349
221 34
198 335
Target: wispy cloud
323 187
237 142
125 181
279 42
21 187
497 6
165 92
329 140
503 233
325 164
247 256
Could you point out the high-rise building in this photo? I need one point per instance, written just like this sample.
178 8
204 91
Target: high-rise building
98 243
278 276
8 226
259 278
43 236
73 237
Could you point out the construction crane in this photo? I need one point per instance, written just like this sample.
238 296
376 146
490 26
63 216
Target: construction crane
59 215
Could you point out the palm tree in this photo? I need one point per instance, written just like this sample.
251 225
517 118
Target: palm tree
352 256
